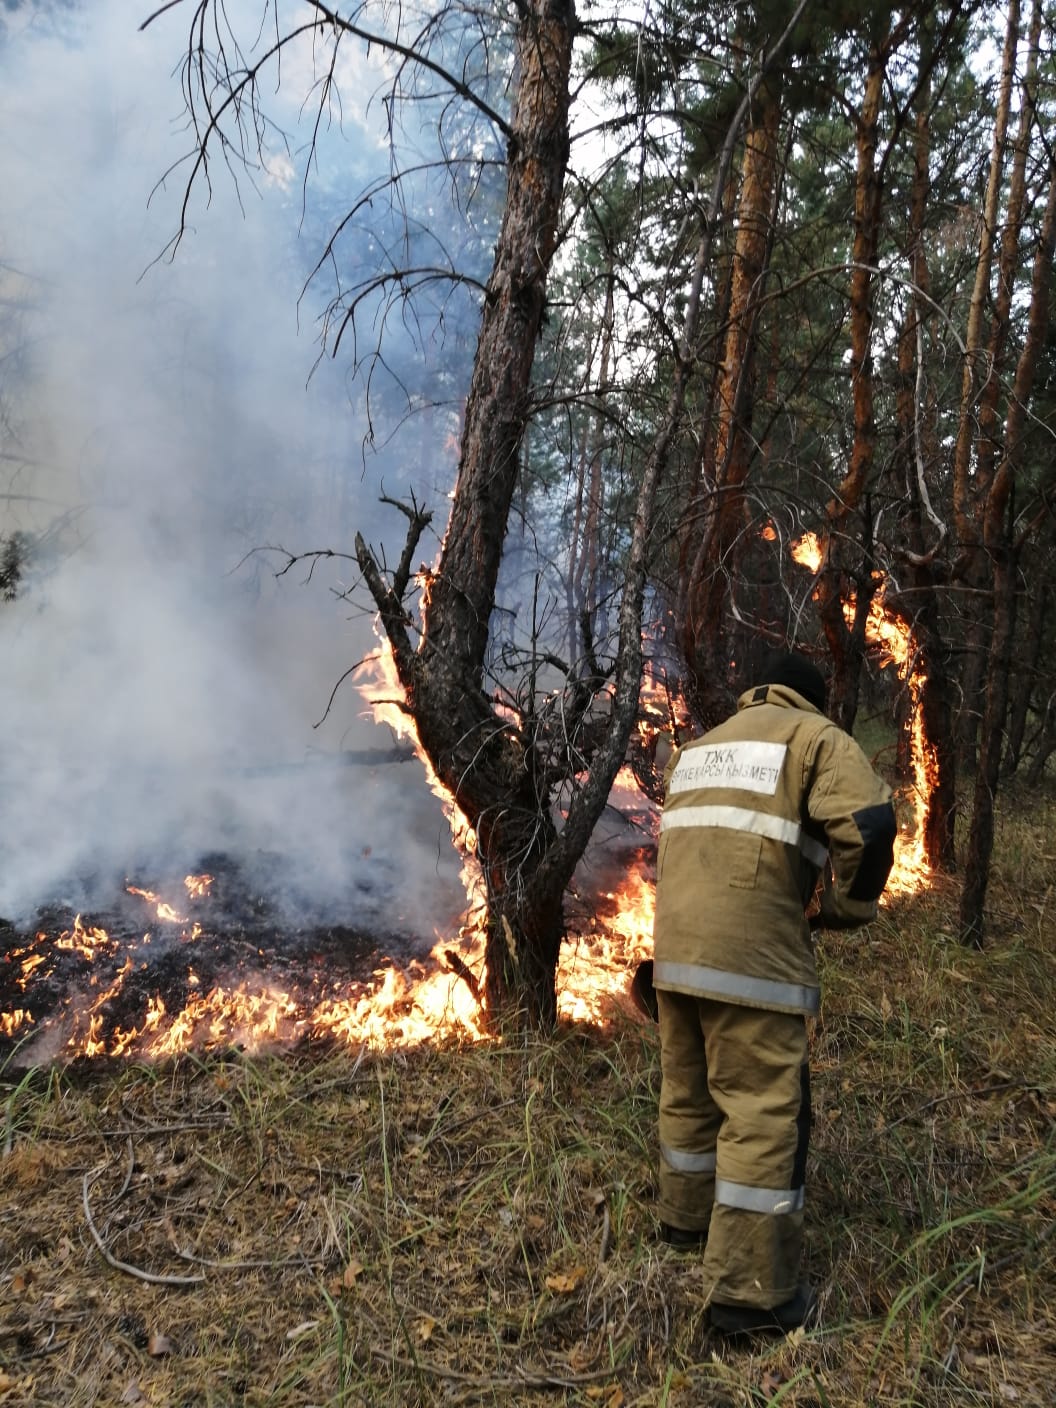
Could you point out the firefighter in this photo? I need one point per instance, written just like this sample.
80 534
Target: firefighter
754 811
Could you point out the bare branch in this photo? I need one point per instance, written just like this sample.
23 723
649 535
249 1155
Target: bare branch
416 57
155 1278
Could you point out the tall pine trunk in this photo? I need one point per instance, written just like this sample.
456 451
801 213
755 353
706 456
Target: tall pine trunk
998 542
838 569
926 534
972 565
706 592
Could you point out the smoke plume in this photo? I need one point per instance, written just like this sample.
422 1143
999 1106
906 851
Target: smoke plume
162 688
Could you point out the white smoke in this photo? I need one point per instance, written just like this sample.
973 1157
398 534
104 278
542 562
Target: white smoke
160 687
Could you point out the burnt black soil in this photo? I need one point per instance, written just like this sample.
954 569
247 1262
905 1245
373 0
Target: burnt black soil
236 935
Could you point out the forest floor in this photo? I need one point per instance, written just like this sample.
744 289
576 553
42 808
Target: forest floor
477 1224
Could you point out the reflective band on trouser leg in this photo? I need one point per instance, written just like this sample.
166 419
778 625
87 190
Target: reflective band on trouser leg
718 983
774 1201
689 1117
755 1060
683 1161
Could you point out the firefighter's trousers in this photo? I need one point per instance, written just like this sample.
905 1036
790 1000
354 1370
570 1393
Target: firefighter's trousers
734 1126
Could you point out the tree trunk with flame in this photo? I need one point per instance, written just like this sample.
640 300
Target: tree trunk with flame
925 532
846 643
486 762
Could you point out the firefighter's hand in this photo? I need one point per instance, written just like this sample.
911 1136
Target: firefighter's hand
835 910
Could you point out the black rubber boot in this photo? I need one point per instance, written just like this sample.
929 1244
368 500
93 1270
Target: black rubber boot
683 1239
752 1320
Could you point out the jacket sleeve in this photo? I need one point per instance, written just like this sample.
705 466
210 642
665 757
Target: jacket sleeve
854 807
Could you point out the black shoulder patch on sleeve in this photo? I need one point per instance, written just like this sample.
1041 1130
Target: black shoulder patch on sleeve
759 697
877 828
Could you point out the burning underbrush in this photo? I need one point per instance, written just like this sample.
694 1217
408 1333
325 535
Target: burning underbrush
208 963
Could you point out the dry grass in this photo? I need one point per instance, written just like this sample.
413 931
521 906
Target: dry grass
476 1226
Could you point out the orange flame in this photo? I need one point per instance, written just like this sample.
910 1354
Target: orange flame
592 974
11 1021
399 1007
807 551
894 637
29 965
381 689
83 941
164 911
438 1002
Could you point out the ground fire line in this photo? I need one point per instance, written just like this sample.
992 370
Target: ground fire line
152 978
164 974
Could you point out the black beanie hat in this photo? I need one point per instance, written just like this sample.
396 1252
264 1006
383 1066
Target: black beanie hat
790 668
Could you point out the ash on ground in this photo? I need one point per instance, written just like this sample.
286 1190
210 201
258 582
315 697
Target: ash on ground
91 968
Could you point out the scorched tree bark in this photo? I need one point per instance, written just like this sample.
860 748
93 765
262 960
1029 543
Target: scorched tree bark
484 760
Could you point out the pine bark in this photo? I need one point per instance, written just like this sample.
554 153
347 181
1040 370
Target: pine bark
968 503
999 546
925 532
707 591
486 762
837 574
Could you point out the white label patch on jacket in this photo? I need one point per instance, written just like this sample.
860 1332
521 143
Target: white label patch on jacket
752 766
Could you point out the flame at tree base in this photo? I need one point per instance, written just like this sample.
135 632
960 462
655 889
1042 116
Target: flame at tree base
175 988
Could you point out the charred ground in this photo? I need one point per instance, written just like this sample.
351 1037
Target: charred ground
110 955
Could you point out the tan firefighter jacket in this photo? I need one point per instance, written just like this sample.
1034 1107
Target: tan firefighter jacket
752 811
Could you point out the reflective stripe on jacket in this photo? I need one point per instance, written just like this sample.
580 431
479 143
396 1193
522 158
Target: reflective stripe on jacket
751 811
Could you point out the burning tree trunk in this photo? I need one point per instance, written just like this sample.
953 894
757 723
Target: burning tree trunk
489 766
925 531
846 645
